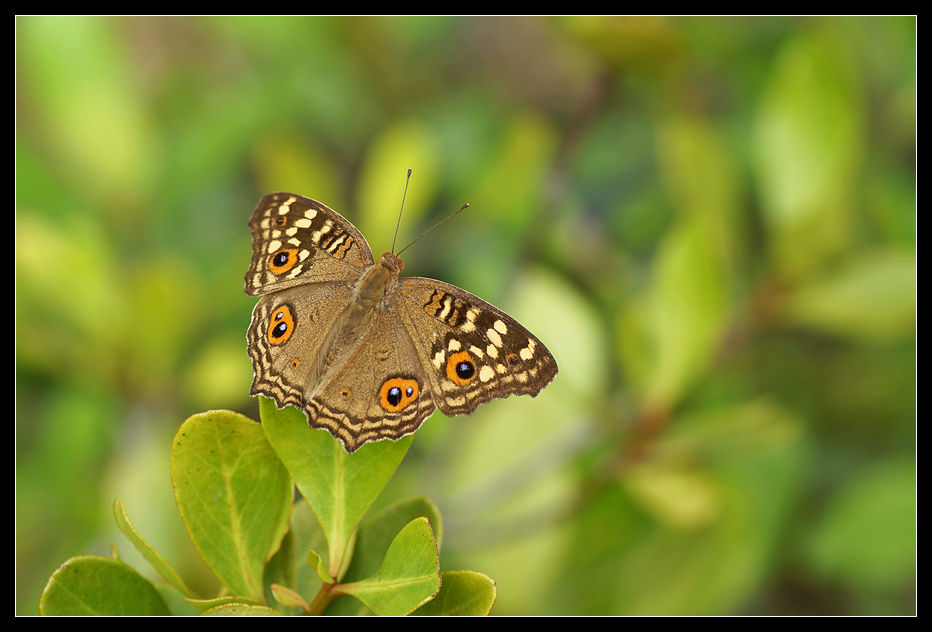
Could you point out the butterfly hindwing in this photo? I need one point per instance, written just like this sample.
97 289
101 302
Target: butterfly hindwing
288 332
376 388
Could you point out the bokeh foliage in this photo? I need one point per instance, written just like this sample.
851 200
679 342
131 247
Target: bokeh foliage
709 221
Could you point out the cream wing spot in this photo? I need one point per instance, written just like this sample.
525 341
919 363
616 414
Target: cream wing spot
486 373
492 350
500 327
493 337
527 352
447 305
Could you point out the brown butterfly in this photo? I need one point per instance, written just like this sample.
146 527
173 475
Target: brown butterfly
366 354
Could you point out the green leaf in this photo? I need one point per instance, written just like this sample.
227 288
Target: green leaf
288 597
242 609
94 585
872 296
203 605
316 562
807 146
681 319
706 555
867 535
340 487
152 556
463 593
409 576
400 146
307 536
375 535
101 130
233 494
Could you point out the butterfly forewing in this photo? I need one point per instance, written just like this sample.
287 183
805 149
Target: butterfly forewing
473 351
296 240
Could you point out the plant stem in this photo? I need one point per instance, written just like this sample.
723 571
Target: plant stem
321 600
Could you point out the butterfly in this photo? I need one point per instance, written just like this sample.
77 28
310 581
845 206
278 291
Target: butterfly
369 355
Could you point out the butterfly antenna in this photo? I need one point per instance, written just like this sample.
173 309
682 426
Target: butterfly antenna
403 196
450 216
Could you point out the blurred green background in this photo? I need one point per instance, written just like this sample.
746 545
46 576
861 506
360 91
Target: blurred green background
709 221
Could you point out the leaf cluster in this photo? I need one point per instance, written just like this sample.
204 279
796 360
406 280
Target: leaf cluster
234 486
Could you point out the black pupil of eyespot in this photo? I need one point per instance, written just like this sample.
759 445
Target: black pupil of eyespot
394 395
465 370
281 258
409 391
280 330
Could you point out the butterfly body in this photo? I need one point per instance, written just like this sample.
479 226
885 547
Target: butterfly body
367 354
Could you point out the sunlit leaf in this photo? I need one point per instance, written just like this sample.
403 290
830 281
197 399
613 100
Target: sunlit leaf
463 593
239 609
152 556
92 585
409 575
203 605
377 532
403 145
234 495
340 487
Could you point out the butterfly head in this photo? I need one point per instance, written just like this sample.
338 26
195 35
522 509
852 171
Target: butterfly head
392 263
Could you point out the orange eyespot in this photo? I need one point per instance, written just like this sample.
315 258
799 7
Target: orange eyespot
281 325
461 368
397 392
283 260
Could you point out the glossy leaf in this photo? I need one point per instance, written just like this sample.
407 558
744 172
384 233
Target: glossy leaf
239 609
463 593
203 605
233 494
340 487
409 575
93 585
377 532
